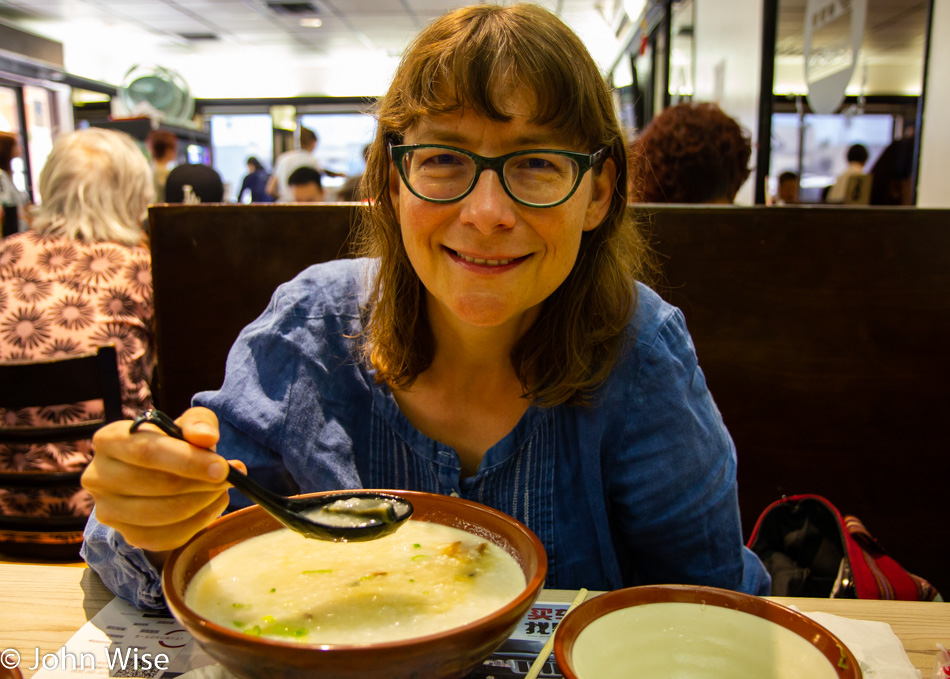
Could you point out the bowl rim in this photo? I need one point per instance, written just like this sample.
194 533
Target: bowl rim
176 603
570 628
10 672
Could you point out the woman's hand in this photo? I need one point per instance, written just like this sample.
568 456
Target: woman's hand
158 491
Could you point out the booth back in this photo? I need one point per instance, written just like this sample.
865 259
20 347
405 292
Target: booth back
214 268
824 334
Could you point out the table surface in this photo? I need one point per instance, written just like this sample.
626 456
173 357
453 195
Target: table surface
42 606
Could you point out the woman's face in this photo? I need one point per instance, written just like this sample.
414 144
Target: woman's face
532 250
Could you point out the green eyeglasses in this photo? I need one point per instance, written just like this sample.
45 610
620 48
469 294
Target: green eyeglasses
536 178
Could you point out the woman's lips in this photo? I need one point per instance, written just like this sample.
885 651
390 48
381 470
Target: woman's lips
487 261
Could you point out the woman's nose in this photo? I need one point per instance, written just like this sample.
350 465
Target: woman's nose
488 206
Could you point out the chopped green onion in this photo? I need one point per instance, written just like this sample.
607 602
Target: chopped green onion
419 557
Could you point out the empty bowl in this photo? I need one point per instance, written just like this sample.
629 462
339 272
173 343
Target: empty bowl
692 632
450 653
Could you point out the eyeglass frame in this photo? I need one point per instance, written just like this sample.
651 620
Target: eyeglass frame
585 161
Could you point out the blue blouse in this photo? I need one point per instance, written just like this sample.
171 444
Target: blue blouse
639 488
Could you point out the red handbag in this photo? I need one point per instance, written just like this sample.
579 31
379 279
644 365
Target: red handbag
810 549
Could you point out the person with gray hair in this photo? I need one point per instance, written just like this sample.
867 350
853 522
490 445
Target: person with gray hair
80 278
96 186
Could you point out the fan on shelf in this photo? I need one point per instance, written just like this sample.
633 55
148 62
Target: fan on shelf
156 91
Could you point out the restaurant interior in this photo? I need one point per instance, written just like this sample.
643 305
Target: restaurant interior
822 329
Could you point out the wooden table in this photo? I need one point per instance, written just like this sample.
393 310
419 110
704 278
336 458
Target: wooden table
42 606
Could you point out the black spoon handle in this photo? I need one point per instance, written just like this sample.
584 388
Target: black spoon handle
241 481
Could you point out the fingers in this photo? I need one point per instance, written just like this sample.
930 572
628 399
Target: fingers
110 476
200 427
154 512
157 490
152 450
166 536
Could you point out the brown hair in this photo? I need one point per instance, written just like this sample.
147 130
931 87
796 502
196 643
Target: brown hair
473 57
8 142
163 145
690 153
307 137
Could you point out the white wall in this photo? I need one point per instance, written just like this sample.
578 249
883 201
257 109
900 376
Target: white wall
933 187
728 63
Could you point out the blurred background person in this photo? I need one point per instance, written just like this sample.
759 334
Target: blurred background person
892 173
14 204
288 161
787 189
255 183
349 191
306 185
163 146
857 157
690 153
80 278
194 183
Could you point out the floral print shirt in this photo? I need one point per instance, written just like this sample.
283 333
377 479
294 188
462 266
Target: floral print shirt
59 297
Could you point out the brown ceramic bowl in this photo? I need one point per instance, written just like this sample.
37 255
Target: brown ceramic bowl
625 634
10 673
446 655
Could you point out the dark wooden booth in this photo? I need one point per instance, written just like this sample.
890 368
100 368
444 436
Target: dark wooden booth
214 268
824 334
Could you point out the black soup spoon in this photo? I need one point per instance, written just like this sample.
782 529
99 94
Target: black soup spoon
347 516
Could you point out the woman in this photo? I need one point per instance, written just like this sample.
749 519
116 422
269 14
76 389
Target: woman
495 346
256 182
78 280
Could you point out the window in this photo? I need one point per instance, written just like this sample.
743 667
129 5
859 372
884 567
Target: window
234 138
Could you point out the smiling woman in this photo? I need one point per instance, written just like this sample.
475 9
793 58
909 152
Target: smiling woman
496 342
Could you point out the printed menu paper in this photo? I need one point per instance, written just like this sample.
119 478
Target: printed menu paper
121 641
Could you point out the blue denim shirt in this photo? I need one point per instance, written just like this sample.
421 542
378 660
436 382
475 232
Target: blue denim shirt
639 488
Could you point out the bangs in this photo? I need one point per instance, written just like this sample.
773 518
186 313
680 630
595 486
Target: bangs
485 62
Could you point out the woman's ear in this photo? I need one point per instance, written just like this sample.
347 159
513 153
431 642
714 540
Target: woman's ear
603 184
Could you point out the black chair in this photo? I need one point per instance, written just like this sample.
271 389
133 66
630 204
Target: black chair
86 377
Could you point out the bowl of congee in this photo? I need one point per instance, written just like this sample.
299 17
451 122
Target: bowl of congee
433 599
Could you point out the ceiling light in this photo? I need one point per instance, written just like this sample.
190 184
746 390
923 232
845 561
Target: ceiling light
311 22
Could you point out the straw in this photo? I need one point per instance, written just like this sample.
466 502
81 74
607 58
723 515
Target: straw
542 658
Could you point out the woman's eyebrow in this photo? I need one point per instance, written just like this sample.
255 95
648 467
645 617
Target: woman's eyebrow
455 138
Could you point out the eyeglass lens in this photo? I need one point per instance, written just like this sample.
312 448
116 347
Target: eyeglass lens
537 178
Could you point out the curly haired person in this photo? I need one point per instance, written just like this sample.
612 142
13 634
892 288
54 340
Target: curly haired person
690 153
